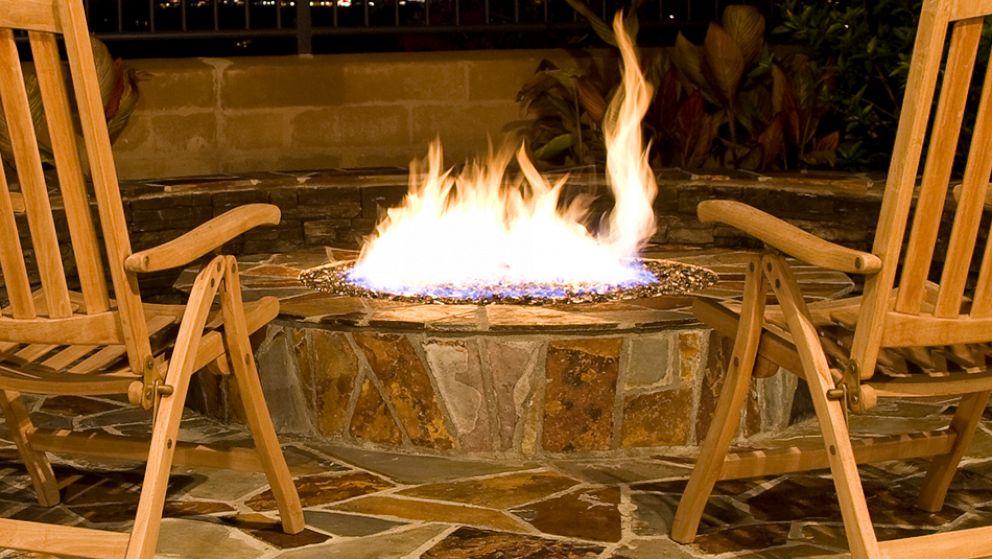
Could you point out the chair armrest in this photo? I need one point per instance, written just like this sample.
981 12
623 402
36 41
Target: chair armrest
203 239
788 238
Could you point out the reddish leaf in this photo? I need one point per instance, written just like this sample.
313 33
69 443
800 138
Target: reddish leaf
828 142
708 129
590 99
724 62
689 118
772 142
667 98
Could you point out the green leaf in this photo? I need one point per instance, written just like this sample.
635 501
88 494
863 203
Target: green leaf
688 60
554 147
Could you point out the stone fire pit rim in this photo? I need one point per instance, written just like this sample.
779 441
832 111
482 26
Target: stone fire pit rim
674 278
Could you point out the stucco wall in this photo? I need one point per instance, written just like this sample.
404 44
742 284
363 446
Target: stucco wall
213 115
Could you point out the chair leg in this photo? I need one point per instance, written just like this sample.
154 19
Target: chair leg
256 413
830 413
943 467
46 487
144 534
726 417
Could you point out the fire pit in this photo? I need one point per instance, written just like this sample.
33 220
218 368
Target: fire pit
556 336
588 379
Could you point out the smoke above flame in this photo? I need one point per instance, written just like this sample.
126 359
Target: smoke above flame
486 232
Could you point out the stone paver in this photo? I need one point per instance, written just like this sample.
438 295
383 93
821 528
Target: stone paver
363 503
392 545
500 492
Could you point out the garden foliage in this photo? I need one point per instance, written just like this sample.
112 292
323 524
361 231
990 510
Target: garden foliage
827 93
869 44
729 102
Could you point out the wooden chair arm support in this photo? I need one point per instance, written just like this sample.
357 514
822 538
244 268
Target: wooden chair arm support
203 239
787 238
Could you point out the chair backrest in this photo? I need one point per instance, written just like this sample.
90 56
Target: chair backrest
943 66
54 317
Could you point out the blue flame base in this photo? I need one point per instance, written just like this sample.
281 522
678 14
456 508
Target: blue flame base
652 278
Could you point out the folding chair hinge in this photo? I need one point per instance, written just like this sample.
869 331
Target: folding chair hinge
852 379
849 390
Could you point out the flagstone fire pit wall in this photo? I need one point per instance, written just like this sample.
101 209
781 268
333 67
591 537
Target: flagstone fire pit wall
523 390
499 380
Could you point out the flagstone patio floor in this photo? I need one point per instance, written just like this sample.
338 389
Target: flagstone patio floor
362 503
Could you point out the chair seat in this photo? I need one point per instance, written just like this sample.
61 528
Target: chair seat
102 370
900 372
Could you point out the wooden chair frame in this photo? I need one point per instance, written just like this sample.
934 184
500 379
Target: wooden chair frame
853 351
97 342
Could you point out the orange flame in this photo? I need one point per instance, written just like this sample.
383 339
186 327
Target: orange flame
483 230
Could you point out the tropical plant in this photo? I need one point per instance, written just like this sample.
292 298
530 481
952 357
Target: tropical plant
869 43
730 102
733 102
568 105
118 89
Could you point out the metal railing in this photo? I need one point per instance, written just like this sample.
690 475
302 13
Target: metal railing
168 21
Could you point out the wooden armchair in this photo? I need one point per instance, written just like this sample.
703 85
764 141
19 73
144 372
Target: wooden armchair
95 342
911 338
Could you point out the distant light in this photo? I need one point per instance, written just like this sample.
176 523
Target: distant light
671 16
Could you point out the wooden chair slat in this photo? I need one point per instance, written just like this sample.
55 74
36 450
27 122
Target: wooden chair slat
59 383
68 356
86 250
981 306
99 360
924 386
937 170
33 352
111 354
925 330
967 218
788 459
901 182
970 9
91 329
17 109
15 272
103 173
36 15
